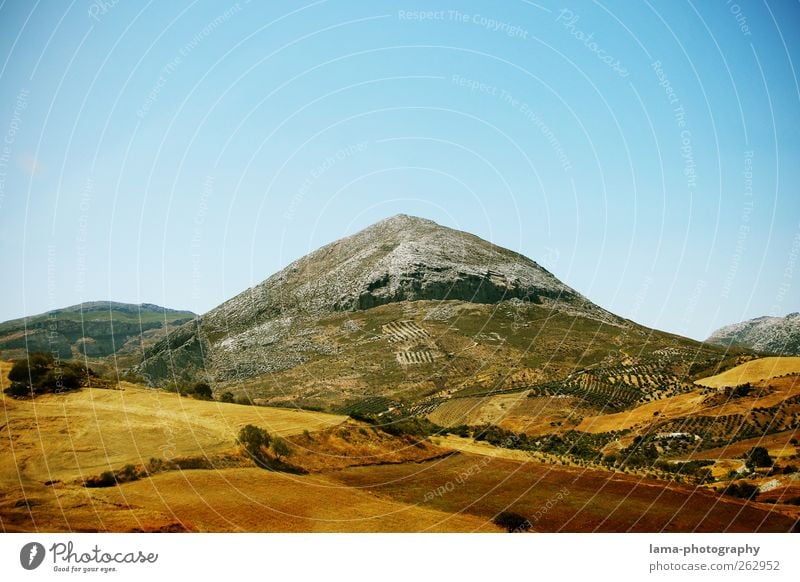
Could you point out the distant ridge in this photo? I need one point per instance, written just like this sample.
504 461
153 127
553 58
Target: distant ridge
774 335
95 329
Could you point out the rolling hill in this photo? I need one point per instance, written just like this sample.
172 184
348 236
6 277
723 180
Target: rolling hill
96 329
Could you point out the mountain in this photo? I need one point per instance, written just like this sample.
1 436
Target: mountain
775 335
407 311
95 329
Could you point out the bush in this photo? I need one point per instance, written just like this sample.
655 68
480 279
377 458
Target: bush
254 439
741 390
742 489
512 522
226 397
203 391
39 373
280 448
105 479
757 457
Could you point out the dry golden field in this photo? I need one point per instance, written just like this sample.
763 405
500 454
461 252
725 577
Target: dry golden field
753 371
357 478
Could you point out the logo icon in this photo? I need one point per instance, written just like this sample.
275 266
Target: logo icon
31 555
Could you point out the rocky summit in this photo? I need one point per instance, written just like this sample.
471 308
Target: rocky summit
773 335
402 258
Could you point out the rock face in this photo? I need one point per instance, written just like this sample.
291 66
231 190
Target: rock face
776 335
400 259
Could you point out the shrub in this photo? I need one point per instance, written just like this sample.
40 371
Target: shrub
203 391
742 489
280 447
741 390
757 457
226 397
512 522
40 373
105 479
254 439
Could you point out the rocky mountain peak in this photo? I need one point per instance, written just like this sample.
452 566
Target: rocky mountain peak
401 258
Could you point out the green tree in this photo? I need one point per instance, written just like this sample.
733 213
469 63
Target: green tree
512 522
203 391
254 440
40 373
31 369
757 457
281 448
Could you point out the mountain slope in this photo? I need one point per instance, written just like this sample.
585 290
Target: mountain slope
95 329
775 335
407 311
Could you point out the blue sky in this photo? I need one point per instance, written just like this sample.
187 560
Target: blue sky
178 153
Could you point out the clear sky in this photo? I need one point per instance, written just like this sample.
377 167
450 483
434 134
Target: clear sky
179 152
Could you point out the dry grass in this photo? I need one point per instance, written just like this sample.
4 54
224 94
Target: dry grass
546 414
673 407
777 444
594 500
468 445
80 434
229 500
354 443
753 371
476 410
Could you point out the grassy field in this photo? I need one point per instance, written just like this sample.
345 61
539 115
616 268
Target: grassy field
754 371
80 434
590 500
359 477
229 500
